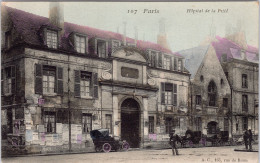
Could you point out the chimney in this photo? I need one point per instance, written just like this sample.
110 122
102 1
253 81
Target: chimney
162 37
124 33
136 35
56 14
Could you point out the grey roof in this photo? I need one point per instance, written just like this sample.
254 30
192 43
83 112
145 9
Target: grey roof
193 58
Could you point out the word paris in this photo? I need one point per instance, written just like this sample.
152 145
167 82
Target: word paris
197 11
145 11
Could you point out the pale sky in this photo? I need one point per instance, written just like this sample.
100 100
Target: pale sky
184 30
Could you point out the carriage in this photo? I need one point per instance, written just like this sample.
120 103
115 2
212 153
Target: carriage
192 138
104 142
220 138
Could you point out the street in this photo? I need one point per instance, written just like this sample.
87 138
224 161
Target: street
194 155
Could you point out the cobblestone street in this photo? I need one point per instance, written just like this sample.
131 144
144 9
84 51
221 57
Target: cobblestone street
194 155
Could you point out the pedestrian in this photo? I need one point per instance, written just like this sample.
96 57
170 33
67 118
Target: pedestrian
245 137
250 139
173 139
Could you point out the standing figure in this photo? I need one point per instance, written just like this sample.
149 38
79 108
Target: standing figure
250 139
173 139
245 137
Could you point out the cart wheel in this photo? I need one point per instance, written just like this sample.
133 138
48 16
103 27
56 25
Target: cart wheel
106 147
98 149
125 146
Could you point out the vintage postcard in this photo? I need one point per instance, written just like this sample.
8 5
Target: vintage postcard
129 82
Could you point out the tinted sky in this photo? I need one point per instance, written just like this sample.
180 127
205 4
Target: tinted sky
184 30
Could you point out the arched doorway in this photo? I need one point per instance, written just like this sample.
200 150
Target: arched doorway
130 122
212 127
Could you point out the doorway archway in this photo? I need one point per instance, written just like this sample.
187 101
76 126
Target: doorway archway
130 122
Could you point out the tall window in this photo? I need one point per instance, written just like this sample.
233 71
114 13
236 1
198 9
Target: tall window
244 103
151 124
212 93
86 123
168 94
179 65
166 62
198 99
245 123
80 44
109 122
244 81
168 125
153 58
198 123
226 124
101 48
85 84
8 81
52 38
49 74
225 102
50 122
8 38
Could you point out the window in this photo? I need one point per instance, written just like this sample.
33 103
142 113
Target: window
86 123
101 48
168 94
8 39
86 84
198 99
244 103
115 44
8 80
226 124
153 59
151 124
168 125
129 72
179 65
244 81
201 78
236 127
49 78
160 60
212 127
166 62
212 93
109 122
198 124
80 44
225 102
245 123
52 39
50 122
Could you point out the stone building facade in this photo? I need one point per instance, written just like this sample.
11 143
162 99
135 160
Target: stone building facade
62 80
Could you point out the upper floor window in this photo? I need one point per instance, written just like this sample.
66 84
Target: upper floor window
153 59
225 102
198 99
168 94
48 79
101 48
166 63
50 122
86 123
179 65
86 84
201 78
8 80
8 39
52 39
80 43
244 103
116 44
212 93
244 81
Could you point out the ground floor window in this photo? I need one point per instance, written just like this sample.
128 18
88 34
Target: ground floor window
168 125
245 123
50 122
109 122
151 124
198 123
226 124
86 123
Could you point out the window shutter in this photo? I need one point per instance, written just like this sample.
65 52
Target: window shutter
38 78
106 54
175 63
77 83
59 81
2 82
182 67
163 93
174 94
172 63
95 85
160 60
13 73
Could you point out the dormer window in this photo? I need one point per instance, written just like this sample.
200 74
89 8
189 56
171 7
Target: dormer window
52 39
116 44
166 62
80 44
101 48
180 65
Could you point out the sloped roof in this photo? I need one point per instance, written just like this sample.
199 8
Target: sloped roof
193 58
28 26
232 50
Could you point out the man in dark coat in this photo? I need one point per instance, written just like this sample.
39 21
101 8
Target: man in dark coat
250 139
173 139
245 137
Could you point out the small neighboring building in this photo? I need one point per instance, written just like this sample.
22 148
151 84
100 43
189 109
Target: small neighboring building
210 90
240 64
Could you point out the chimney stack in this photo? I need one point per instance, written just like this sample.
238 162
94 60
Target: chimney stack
162 37
56 14
124 33
136 35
